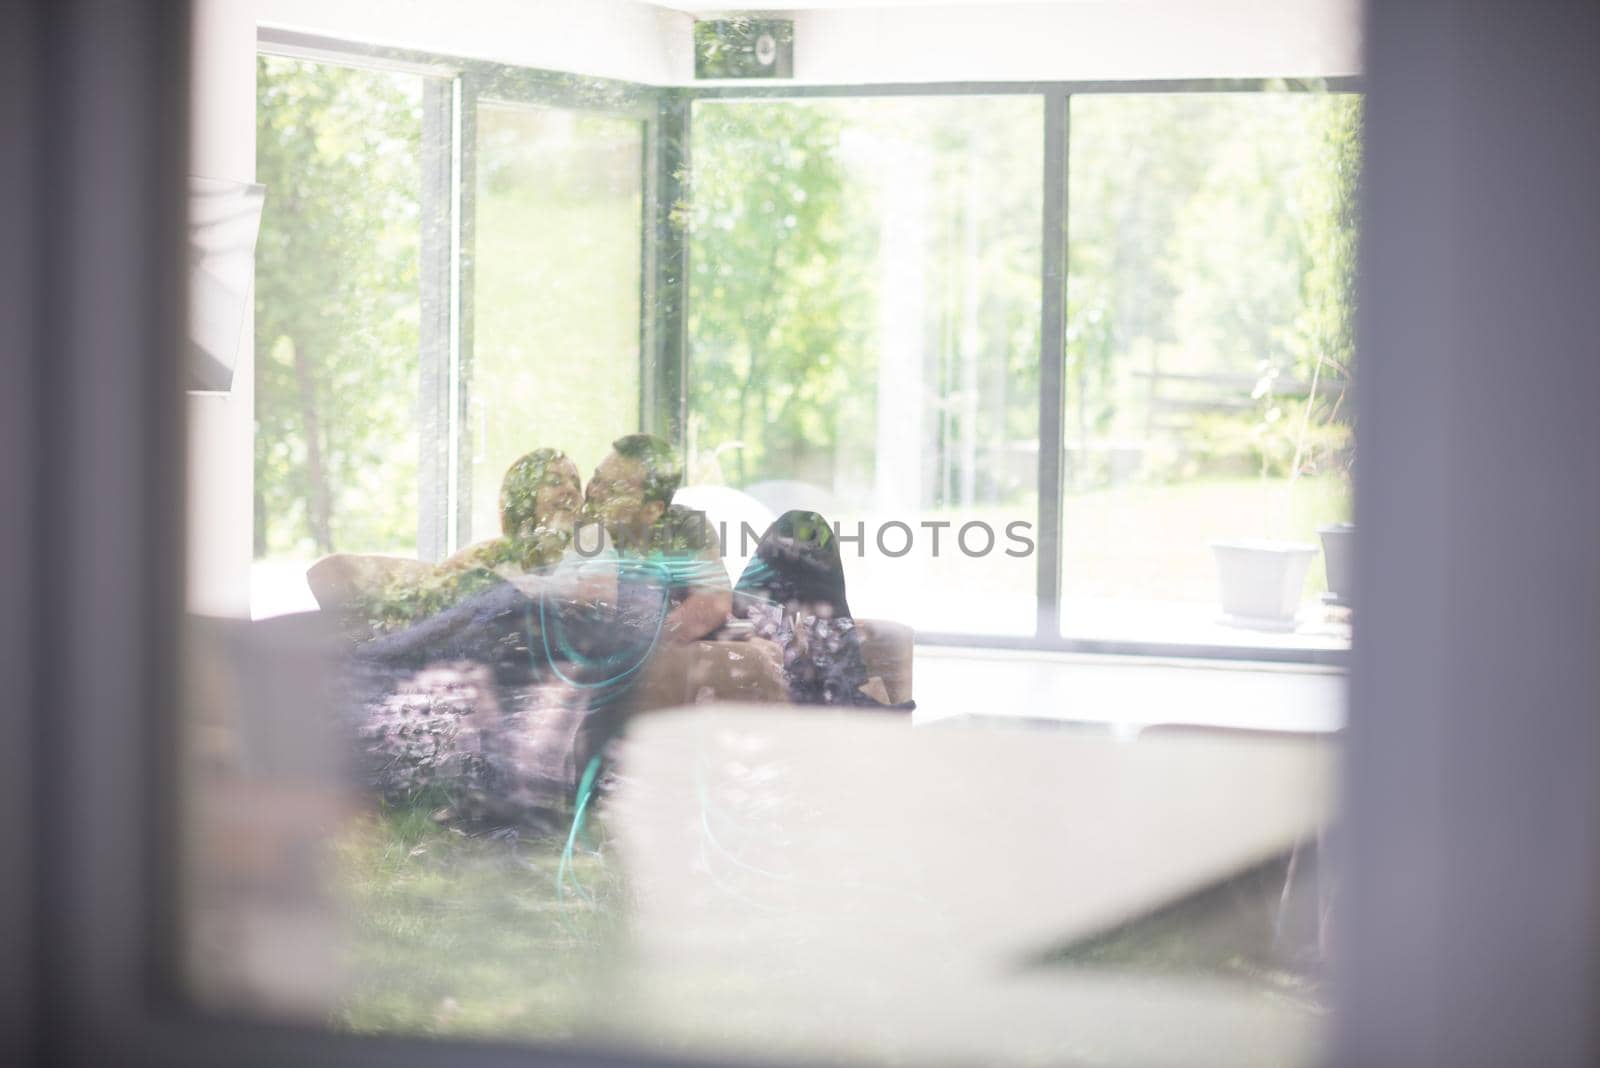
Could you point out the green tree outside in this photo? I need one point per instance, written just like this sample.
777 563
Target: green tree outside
337 309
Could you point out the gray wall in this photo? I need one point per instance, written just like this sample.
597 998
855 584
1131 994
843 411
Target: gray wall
1467 931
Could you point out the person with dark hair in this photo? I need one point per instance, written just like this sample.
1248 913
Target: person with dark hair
671 585
792 592
665 551
663 469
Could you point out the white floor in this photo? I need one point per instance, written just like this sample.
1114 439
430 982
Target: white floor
1125 693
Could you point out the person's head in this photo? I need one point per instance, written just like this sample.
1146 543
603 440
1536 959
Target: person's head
797 563
541 491
632 487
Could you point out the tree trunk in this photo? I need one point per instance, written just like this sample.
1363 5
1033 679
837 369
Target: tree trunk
319 510
757 337
258 522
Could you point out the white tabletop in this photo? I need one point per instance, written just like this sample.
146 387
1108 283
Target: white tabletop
780 858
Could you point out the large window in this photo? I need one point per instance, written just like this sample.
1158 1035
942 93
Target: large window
864 337
556 289
337 318
1034 352
1209 353
845 303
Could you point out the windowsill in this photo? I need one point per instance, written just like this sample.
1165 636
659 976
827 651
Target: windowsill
1315 628
1127 694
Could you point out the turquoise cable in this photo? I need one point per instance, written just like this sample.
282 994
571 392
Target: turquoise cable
554 661
585 792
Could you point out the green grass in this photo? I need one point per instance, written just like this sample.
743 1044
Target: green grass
1150 541
1141 541
468 934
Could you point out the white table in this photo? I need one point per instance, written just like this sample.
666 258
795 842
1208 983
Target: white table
811 882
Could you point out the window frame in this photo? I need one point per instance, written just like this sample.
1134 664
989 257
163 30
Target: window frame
1472 759
452 90
664 374
1055 282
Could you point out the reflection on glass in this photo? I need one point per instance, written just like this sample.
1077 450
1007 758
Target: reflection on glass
595 777
556 289
864 337
336 319
1209 355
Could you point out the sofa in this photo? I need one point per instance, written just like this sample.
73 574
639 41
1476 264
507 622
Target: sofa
748 669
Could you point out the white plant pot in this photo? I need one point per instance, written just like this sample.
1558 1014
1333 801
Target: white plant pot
1261 581
1338 553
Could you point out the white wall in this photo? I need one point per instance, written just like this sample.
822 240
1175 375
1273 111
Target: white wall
624 39
637 40
1088 39
221 426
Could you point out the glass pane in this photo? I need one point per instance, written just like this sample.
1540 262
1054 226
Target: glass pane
1209 421
654 792
556 290
864 339
337 307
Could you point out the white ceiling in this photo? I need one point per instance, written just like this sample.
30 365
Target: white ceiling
719 6
844 42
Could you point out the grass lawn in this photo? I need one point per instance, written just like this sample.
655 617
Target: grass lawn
1150 541
488 936
1139 542
451 933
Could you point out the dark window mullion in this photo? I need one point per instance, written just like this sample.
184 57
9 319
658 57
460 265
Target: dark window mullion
1052 362
465 213
433 388
669 377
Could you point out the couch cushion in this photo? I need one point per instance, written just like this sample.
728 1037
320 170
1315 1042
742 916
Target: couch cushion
685 673
752 670
339 579
886 650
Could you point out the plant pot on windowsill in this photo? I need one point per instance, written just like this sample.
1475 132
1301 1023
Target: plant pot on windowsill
1261 581
1338 548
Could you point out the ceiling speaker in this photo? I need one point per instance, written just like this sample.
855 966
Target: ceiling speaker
743 47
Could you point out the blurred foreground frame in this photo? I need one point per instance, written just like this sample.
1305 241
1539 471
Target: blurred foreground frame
1480 790
267 786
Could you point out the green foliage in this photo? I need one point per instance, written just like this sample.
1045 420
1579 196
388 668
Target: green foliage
474 935
789 220
337 308
1328 217
1132 169
556 295
774 333
1210 235
1323 334
404 601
